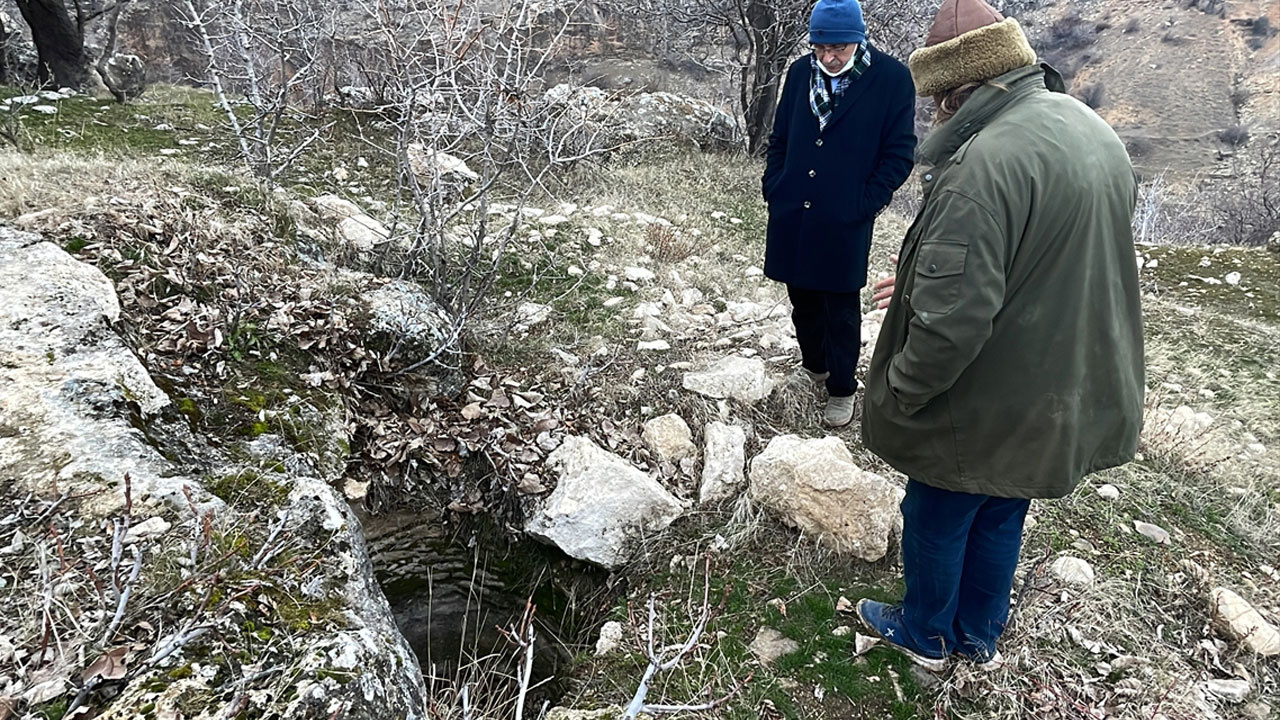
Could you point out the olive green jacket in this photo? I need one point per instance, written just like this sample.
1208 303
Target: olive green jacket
1011 358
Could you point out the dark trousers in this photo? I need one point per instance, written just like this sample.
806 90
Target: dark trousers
829 330
959 555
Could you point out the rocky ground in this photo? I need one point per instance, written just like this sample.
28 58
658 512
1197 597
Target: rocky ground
629 398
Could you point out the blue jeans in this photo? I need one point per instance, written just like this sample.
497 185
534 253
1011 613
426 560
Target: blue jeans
959 555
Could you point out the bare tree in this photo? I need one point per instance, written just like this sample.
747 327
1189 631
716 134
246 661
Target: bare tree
752 41
462 87
59 41
266 51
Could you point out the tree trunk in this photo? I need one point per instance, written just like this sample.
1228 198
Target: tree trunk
760 79
58 41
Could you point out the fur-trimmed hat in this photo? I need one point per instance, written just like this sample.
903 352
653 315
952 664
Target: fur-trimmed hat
837 22
969 42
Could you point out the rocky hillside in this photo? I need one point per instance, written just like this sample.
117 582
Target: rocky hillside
620 429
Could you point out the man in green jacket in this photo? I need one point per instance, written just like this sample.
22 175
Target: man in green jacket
1010 364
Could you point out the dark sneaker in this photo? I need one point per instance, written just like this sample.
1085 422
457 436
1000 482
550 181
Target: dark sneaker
885 621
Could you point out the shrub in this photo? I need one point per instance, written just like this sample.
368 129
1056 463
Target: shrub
1235 136
1133 26
1091 94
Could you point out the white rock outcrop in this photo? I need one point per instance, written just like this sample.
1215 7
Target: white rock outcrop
815 485
73 402
601 505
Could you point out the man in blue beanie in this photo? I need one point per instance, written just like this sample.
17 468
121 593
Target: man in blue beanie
843 141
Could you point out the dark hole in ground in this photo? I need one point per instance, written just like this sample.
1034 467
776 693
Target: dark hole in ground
452 586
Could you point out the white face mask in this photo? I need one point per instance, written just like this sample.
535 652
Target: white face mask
852 56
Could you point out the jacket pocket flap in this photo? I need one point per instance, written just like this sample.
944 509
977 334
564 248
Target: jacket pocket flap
941 259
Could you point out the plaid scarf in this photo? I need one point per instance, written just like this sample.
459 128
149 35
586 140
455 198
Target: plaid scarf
823 100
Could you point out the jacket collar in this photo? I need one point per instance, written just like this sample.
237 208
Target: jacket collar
986 103
855 89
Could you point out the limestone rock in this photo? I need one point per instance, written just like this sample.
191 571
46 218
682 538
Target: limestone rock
126 75
438 166
610 638
1233 691
1155 533
816 486
669 438
1072 571
1235 617
723 462
71 394
1109 492
770 645
354 229
743 379
401 317
66 381
601 504
608 120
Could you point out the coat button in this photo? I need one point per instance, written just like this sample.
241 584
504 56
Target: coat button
933 267
928 177
807 204
813 173
818 142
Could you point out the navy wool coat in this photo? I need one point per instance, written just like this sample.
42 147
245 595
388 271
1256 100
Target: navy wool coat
825 189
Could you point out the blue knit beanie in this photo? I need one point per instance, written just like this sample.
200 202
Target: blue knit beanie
836 22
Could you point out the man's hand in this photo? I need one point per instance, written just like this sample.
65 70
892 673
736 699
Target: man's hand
884 289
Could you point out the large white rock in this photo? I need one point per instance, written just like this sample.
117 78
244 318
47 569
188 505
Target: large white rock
816 486
723 462
1234 616
669 438
740 378
601 505
62 371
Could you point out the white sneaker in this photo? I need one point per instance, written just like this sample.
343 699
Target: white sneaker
839 411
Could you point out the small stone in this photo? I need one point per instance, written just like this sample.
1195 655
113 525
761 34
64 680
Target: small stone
610 638
1232 278
354 489
770 645
653 345
669 438
44 109
552 220
842 631
1109 492
862 644
844 605
1153 532
1233 691
612 302
638 274
151 527
1072 571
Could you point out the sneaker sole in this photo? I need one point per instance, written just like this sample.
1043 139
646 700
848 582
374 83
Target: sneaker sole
933 665
996 662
